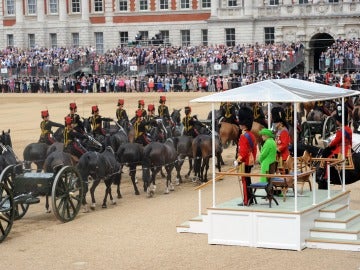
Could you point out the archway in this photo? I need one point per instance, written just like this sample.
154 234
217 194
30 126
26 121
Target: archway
319 43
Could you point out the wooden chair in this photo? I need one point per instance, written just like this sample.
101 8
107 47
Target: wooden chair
283 184
267 186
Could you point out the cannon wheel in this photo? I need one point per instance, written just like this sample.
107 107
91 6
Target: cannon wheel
67 194
306 134
7 211
6 177
329 127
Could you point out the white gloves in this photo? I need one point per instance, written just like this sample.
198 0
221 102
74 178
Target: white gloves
236 163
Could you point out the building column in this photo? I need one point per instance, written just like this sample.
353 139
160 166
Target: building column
215 5
19 12
40 11
85 10
62 11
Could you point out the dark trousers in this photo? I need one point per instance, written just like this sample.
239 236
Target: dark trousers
246 181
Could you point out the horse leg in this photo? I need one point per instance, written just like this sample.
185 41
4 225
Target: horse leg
107 192
190 168
169 185
47 210
133 180
206 167
92 193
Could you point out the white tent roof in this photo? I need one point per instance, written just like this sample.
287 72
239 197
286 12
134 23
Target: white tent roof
279 90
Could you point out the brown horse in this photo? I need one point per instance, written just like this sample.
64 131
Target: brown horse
230 132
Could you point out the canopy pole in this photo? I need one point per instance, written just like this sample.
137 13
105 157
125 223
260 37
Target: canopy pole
269 115
295 157
213 150
343 140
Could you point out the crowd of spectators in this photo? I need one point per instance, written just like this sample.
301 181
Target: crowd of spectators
158 68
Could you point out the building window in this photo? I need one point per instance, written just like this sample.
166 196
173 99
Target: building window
166 36
206 4
269 35
124 38
303 1
185 4
143 5
53 6
98 5
53 40
204 37
99 42
274 2
164 4
230 36
10 40
232 3
75 6
333 1
10 7
123 5
185 37
31 40
75 39
31 7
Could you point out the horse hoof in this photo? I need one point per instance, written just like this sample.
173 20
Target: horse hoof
119 197
137 193
186 176
103 206
177 182
172 188
92 207
113 202
47 211
86 209
166 191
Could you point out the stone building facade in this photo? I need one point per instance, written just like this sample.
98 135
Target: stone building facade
106 24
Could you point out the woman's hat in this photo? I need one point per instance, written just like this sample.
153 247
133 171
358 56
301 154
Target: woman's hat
139 113
151 107
73 106
120 102
94 108
266 132
44 113
246 117
68 120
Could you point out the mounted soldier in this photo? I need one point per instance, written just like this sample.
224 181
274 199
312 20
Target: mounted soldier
45 126
71 145
188 121
228 113
96 122
163 110
140 129
75 118
121 115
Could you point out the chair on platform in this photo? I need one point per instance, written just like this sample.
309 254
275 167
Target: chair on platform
266 186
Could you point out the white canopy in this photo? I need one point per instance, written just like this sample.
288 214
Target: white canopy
279 90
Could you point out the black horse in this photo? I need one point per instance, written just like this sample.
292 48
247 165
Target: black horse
177 127
156 155
5 138
99 166
202 152
130 155
351 175
183 146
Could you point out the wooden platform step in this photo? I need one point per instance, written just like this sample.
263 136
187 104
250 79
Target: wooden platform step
333 211
343 221
321 243
350 233
197 224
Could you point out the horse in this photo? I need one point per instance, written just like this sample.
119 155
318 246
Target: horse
157 155
131 155
5 138
176 129
351 175
202 151
37 153
98 166
183 146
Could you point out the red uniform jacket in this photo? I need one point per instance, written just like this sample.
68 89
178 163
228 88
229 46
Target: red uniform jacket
337 141
247 145
282 143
